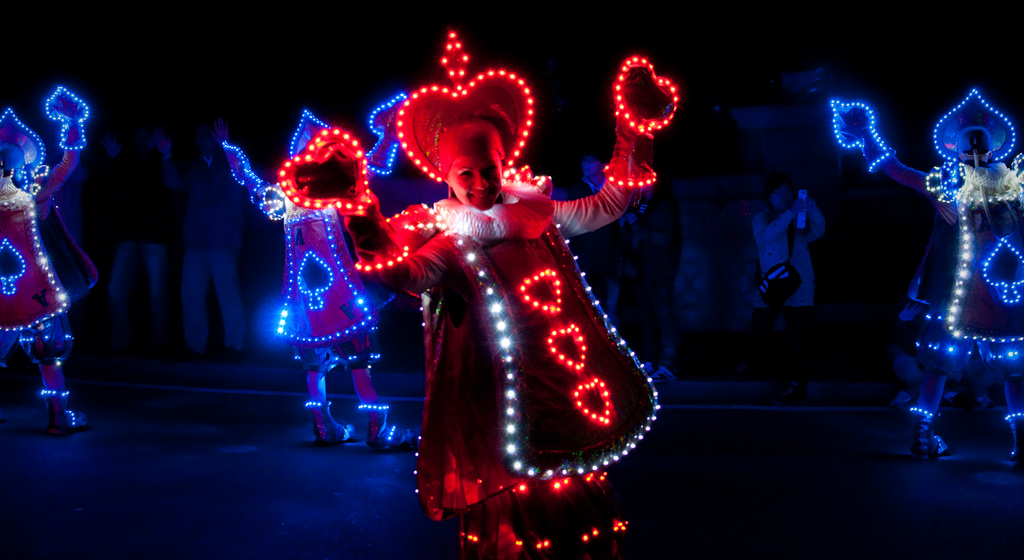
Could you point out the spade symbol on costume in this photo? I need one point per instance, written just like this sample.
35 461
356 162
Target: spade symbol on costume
12 267
1004 271
315 278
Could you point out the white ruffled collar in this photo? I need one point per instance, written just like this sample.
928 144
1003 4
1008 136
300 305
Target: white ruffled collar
997 182
524 213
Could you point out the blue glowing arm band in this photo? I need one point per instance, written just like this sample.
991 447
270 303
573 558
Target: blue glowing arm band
267 196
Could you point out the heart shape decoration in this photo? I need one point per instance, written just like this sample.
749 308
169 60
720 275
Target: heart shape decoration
645 100
574 363
330 171
554 287
586 391
499 96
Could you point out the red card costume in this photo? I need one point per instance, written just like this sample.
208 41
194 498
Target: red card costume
327 313
530 393
42 269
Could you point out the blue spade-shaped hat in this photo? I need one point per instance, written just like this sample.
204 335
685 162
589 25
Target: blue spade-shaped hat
971 114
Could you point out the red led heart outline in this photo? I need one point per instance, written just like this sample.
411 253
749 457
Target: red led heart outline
622 108
529 282
573 332
605 416
321 148
447 102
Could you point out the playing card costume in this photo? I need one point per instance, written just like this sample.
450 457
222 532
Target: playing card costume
327 314
530 394
42 269
973 270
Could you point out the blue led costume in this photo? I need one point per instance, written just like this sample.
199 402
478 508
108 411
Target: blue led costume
973 269
328 315
42 269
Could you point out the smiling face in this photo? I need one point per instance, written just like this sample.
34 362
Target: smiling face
471 155
475 179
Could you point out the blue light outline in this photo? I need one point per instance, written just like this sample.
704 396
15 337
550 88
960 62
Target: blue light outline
383 150
974 94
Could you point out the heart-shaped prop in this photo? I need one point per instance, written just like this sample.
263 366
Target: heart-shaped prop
545 280
572 332
498 96
644 103
589 392
330 171
645 100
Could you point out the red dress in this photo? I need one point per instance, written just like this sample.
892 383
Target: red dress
529 395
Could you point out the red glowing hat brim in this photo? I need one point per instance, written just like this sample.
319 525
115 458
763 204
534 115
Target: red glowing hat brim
498 96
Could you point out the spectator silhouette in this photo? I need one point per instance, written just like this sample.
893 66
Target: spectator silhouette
213 230
132 179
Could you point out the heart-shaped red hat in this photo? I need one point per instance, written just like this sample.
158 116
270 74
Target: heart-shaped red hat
498 96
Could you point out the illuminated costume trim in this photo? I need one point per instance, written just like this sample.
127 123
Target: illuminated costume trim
327 315
973 269
531 394
42 269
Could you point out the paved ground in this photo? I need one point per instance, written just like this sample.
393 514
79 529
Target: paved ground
186 471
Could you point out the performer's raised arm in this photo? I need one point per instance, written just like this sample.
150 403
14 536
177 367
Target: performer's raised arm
71 112
644 103
854 126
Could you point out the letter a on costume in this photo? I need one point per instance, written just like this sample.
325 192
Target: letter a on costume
41 298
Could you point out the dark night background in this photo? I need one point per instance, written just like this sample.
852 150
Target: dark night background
214 459
259 71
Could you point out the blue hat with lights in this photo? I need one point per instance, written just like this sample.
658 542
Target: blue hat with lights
14 132
970 115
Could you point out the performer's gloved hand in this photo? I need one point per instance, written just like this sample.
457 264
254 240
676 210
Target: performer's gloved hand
874 151
371 234
632 156
644 103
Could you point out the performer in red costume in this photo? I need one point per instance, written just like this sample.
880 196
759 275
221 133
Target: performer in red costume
530 392
42 270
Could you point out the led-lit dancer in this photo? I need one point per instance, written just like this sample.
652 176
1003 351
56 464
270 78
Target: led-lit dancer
531 394
328 316
42 270
973 269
